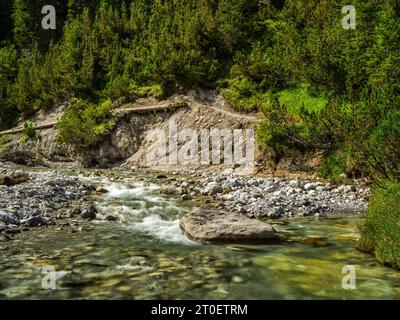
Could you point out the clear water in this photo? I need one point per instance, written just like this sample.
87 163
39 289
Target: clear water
145 256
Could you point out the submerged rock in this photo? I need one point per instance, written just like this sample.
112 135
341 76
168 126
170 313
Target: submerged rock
89 212
316 241
35 221
220 226
101 190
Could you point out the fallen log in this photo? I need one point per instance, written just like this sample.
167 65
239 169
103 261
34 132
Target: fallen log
14 179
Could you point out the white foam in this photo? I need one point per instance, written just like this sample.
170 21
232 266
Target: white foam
124 191
152 215
167 230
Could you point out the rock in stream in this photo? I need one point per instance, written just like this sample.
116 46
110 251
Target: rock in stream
220 226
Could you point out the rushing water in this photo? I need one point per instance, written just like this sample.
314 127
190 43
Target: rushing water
145 256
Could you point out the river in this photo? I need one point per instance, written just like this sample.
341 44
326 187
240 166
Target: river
145 256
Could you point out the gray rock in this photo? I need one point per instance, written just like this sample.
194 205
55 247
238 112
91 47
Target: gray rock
170 189
294 183
76 211
89 212
35 221
274 213
212 188
271 188
100 189
186 197
221 226
310 186
8 218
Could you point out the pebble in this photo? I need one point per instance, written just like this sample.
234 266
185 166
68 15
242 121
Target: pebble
40 200
275 197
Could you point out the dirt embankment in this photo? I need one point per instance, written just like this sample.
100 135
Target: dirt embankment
139 126
127 143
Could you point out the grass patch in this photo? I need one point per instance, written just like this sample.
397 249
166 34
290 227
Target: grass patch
380 234
4 140
294 98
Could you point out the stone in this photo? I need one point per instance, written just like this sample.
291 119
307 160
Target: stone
186 197
35 221
242 210
294 183
170 189
310 186
8 218
206 225
89 212
101 190
76 211
271 188
111 218
316 241
274 213
212 188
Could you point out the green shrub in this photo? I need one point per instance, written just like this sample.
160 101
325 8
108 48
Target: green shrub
82 123
334 165
4 140
29 132
155 90
303 130
380 234
120 88
243 94
303 96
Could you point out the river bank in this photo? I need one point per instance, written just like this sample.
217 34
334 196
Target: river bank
52 198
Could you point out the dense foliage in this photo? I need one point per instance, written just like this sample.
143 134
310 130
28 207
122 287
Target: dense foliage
83 123
380 233
321 87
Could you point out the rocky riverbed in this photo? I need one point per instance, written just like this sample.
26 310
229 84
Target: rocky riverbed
41 201
274 197
53 198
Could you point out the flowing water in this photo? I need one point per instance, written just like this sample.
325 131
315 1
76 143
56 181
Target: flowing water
145 256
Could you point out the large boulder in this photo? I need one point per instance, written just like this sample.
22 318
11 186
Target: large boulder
205 225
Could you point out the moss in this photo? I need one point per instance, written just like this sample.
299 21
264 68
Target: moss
380 234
